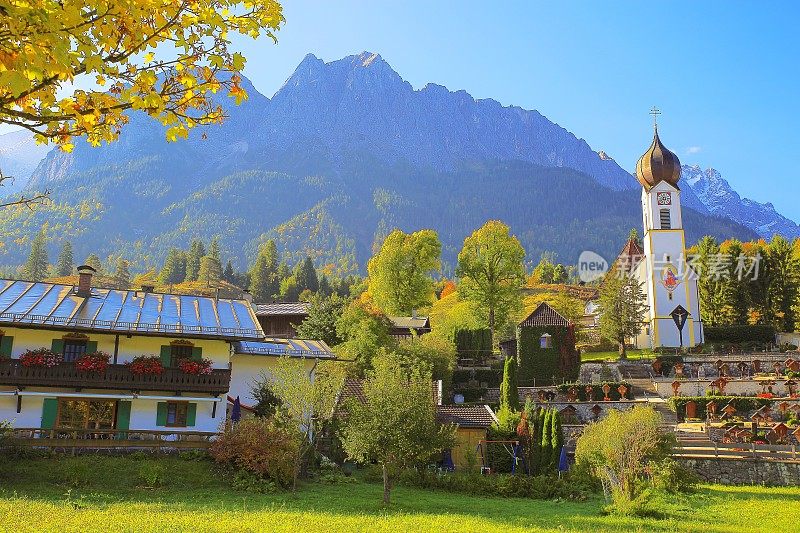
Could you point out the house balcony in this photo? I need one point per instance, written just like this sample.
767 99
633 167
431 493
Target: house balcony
65 375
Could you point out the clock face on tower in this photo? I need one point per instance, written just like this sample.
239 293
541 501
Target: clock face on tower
664 198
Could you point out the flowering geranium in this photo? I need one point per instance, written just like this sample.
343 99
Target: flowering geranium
93 362
191 366
41 357
145 364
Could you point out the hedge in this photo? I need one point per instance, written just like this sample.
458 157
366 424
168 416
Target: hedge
490 376
739 333
597 390
743 404
474 343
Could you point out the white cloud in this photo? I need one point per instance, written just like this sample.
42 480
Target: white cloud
693 150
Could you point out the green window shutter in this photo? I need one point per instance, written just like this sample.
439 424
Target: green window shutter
191 414
58 346
49 413
6 344
91 346
166 355
161 414
197 353
123 418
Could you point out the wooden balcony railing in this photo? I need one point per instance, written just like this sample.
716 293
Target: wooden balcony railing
115 377
110 438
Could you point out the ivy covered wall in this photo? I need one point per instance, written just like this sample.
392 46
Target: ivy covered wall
560 361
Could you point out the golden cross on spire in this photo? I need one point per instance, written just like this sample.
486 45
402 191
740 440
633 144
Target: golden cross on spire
655 112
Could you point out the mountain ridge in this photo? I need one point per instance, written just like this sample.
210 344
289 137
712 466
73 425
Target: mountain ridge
352 149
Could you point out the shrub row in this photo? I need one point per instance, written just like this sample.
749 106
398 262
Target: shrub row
739 333
491 377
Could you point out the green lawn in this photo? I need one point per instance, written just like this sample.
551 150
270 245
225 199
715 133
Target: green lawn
588 357
105 495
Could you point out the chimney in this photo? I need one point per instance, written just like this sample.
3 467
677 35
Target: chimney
247 297
85 273
413 313
148 288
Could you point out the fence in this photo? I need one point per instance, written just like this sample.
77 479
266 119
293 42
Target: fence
109 439
763 452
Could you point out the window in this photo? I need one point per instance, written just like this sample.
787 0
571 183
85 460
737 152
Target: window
176 414
546 341
666 223
73 349
178 352
85 414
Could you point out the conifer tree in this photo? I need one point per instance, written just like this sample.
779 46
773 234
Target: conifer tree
536 440
94 261
509 394
193 258
65 263
210 271
260 282
547 442
306 276
122 275
737 292
228 274
556 439
36 266
174 270
213 250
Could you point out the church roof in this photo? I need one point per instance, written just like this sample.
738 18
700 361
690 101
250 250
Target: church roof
544 315
658 164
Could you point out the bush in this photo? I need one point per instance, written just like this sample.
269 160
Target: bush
669 476
246 481
152 473
261 446
740 334
75 472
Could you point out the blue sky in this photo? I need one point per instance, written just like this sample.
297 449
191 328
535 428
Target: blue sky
724 74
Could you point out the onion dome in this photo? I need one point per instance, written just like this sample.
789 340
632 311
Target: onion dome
658 164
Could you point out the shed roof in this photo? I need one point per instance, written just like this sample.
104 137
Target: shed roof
410 322
544 315
466 416
58 306
282 309
285 347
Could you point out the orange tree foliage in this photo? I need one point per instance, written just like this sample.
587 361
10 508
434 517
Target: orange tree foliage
48 45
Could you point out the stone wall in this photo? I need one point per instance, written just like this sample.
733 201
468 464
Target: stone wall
744 472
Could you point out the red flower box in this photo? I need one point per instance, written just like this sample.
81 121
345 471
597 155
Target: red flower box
41 357
200 368
145 364
93 362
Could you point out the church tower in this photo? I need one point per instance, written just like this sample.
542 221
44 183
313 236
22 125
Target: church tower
670 285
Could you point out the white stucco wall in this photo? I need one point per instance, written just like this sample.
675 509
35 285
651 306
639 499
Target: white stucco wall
247 369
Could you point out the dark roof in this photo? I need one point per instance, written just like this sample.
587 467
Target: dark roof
283 308
544 315
466 416
352 388
58 306
629 256
410 322
285 347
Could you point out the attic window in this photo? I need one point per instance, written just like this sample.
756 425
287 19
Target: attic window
546 341
666 223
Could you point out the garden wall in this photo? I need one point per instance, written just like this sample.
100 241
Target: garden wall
744 472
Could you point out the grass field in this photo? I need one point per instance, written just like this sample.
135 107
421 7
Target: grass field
106 494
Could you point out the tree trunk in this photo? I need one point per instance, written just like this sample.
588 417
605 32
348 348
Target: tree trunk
623 351
386 485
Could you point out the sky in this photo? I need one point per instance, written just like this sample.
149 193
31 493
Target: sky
724 74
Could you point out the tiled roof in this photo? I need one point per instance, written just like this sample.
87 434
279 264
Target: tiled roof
289 347
544 315
352 388
410 322
466 416
58 306
282 308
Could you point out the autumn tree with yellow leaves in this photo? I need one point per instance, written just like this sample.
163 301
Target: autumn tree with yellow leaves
164 58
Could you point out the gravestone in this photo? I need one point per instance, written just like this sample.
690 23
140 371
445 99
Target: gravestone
676 387
622 390
606 390
596 411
